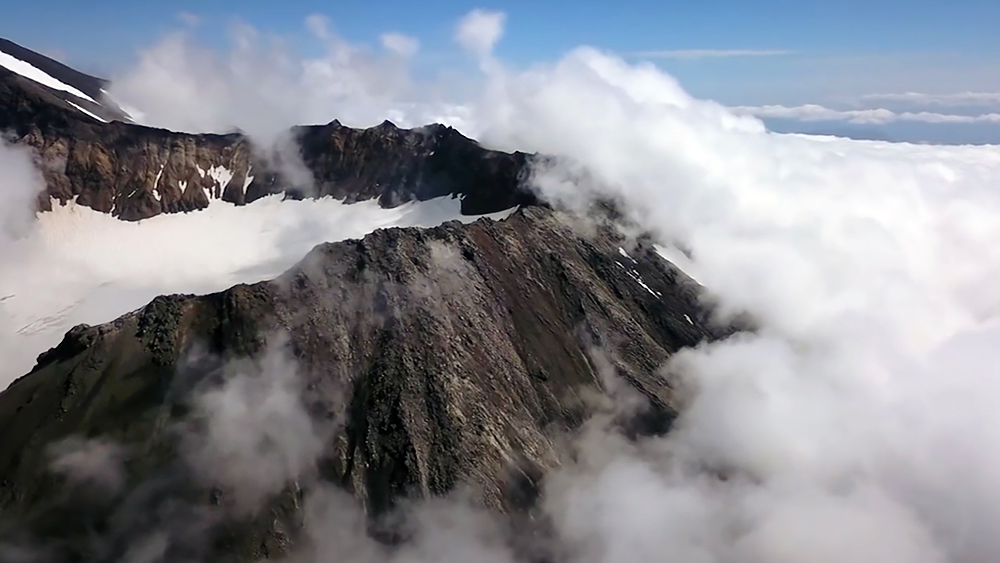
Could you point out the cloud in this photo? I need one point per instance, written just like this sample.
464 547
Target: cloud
955 99
857 259
189 19
694 54
252 435
259 85
95 463
20 184
479 31
401 44
813 112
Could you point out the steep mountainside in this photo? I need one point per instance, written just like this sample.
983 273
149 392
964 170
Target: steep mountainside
135 172
57 83
439 358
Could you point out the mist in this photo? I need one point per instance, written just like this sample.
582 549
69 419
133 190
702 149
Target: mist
859 423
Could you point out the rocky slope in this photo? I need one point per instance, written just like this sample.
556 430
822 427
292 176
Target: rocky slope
459 356
58 84
135 172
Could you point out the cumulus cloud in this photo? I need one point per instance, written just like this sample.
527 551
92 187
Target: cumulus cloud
693 54
479 31
401 44
813 112
261 86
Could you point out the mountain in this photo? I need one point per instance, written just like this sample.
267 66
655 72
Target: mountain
408 365
57 83
462 354
454 356
135 172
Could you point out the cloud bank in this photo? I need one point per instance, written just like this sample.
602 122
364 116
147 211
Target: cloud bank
878 116
956 99
868 265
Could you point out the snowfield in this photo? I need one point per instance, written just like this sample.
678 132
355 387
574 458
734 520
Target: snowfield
80 266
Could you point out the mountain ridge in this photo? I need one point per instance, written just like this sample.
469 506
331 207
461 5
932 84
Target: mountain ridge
458 355
134 172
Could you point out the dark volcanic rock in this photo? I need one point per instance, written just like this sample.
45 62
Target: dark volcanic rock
135 172
89 85
448 357
417 164
91 88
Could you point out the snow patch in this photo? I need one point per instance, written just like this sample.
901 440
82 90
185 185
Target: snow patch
83 266
35 74
156 183
221 175
87 113
131 114
635 275
679 259
248 179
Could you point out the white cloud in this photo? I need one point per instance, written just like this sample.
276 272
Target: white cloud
479 31
20 184
857 259
261 87
189 19
318 25
252 435
955 99
813 112
691 54
401 44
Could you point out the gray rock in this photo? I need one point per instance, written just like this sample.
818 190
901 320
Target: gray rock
455 357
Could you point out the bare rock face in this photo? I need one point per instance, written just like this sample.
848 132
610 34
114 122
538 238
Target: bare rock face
437 359
135 172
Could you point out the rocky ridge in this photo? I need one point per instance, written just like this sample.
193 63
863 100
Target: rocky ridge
135 172
449 357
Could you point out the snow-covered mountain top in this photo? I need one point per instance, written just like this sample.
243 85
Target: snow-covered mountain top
74 89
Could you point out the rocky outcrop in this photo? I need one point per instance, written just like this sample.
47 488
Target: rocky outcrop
455 356
135 172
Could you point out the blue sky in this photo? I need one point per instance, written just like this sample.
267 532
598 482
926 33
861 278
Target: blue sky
834 52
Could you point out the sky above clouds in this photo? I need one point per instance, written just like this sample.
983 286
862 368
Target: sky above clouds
917 60
883 45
